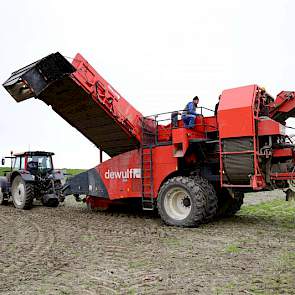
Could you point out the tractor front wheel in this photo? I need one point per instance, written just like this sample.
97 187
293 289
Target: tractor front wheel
3 201
22 193
183 201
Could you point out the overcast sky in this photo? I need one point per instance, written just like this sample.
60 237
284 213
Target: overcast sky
157 54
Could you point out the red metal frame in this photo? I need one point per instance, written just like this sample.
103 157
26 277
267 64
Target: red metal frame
281 153
283 176
113 103
283 105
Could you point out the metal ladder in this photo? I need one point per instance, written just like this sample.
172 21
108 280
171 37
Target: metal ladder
147 178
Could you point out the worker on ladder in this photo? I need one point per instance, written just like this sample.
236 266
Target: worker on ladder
189 114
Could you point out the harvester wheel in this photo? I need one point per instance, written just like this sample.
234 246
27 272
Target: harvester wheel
22 193
211 197
227 205
183 201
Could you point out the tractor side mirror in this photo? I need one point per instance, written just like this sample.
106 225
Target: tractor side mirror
3 161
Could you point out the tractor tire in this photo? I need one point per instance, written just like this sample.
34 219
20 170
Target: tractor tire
227 205
3 201
22 193
183 201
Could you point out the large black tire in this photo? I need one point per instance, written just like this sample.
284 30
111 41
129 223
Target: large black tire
184 201
227 205
290 195
3 200
3 187
211 197
22 193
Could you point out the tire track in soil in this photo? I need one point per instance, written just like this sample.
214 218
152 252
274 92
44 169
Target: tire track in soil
149 231
115 253
128 224
16 233
115 274
31 244
107 228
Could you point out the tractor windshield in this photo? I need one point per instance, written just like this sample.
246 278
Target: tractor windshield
44 162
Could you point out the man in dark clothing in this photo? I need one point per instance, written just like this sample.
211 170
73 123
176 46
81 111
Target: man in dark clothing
189 114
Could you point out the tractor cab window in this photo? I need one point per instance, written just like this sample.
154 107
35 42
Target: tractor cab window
44 162
16 163
22 163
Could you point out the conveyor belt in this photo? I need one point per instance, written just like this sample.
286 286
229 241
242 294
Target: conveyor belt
51 80
238 167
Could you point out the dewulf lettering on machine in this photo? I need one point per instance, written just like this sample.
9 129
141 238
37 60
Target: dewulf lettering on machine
129 173
190 175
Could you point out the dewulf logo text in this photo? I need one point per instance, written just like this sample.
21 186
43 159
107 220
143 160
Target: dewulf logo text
129 173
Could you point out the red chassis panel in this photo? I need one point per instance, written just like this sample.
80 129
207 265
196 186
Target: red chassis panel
280 153
122 174
235 112
267 126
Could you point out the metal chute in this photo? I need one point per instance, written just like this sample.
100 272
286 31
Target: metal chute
82 98
31 80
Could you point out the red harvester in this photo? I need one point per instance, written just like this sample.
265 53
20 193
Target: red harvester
190 175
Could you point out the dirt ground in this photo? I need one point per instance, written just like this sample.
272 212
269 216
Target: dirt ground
69 250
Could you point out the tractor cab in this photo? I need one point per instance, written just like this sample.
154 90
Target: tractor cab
33 162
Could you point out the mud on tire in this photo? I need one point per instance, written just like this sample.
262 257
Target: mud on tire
22 193
186 201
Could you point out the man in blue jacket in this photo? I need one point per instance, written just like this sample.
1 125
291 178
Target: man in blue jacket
189 114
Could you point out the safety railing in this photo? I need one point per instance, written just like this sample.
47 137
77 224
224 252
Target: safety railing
157 129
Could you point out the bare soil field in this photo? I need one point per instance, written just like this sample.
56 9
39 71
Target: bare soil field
69 250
